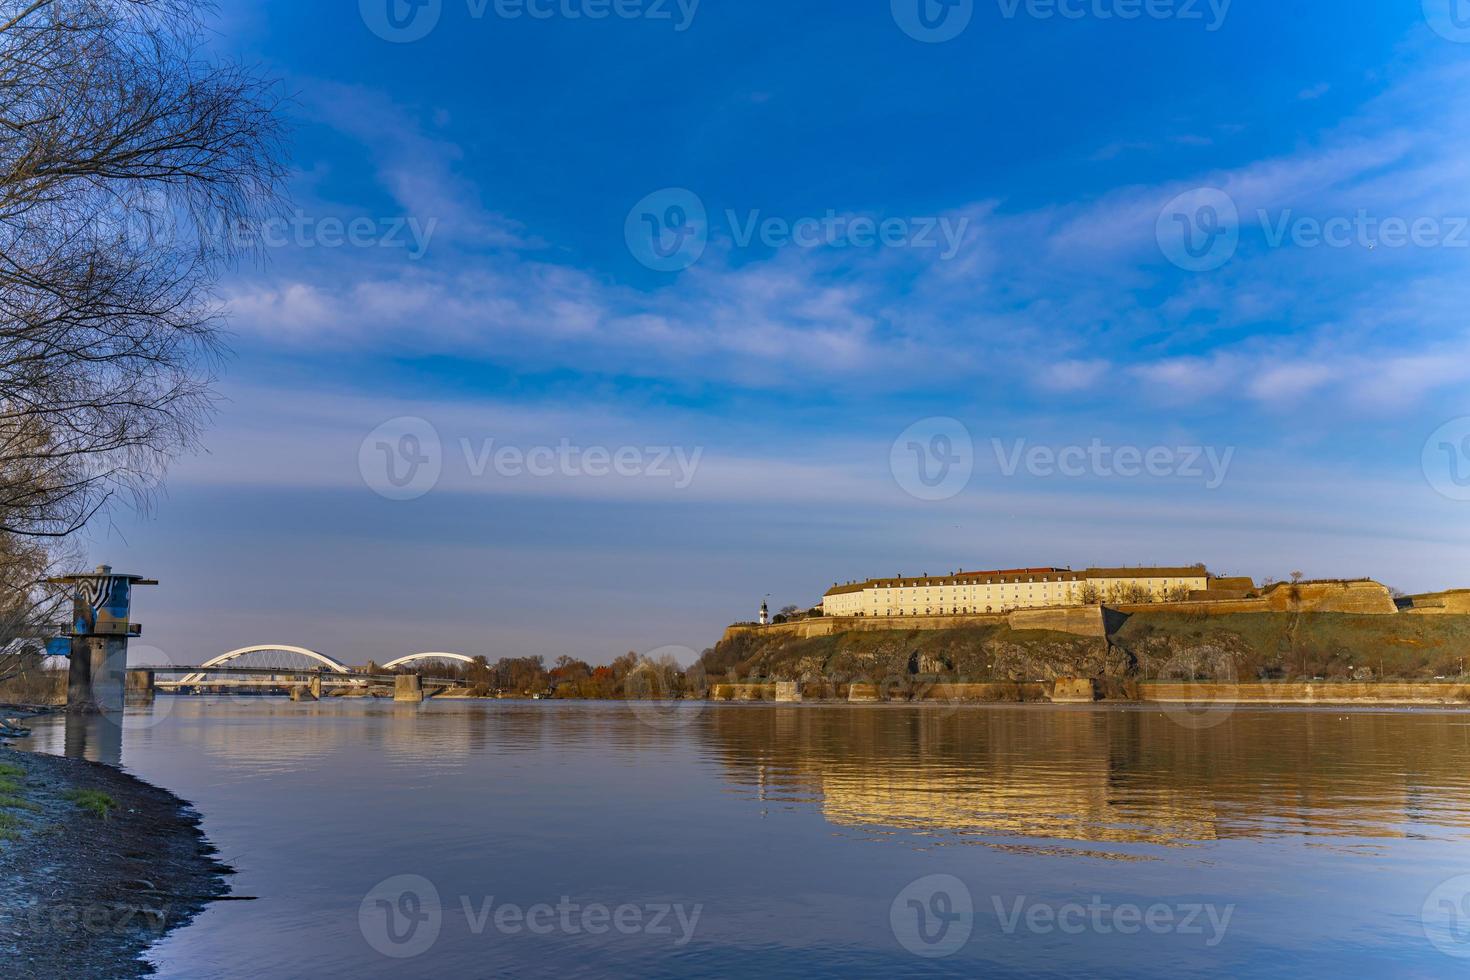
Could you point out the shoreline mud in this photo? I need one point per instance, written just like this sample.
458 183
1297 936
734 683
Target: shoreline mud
97 868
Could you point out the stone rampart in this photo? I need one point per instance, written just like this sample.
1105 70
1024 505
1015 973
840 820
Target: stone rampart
1078 620
1455 602
1304 692
1364 598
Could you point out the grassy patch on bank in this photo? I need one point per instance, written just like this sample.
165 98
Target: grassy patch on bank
11 788
95 802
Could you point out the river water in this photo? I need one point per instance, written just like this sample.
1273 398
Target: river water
572 839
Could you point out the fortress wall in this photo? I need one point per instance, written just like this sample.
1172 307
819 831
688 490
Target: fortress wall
1078 620
1368 598
1304 692
1456 602
1085 691
742 692
1073 690
864 691
803 630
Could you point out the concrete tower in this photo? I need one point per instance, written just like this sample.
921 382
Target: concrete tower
99 633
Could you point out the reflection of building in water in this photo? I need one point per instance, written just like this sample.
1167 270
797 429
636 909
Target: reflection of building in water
1066 806
1116 776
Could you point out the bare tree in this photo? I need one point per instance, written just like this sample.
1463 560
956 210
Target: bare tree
29 607
1177 593
126 157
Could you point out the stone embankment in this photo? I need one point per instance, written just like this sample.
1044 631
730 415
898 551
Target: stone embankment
1077 690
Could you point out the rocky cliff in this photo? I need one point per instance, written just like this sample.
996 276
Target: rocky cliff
1153 643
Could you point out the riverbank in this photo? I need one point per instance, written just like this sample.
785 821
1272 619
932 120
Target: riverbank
95 867
1068 690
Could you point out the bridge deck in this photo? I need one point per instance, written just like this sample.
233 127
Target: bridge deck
284 673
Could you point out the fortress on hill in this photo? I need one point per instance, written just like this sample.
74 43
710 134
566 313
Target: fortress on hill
1007 590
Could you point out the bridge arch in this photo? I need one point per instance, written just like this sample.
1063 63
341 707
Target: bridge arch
414 658
330 663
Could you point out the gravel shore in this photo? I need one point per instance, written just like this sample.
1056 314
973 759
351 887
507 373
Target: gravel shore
83 895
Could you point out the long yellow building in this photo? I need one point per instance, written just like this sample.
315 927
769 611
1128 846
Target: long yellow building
1003 590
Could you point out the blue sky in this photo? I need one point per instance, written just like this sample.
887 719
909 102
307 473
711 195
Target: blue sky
497 165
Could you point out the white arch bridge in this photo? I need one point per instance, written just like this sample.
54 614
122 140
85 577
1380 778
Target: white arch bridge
295 670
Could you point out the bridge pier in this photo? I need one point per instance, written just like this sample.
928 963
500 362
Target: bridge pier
96 677
140 689
408 688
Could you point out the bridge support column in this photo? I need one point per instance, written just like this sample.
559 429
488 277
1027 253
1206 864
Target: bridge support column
140 689
408 688
303 693
316 688
96 680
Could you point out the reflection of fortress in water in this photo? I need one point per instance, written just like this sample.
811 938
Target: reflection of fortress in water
1114 777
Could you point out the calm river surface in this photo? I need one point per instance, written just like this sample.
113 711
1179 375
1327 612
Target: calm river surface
591 839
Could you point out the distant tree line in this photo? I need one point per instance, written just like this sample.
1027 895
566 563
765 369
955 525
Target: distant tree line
629 676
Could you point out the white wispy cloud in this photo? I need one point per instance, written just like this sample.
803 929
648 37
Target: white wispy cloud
1066 294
